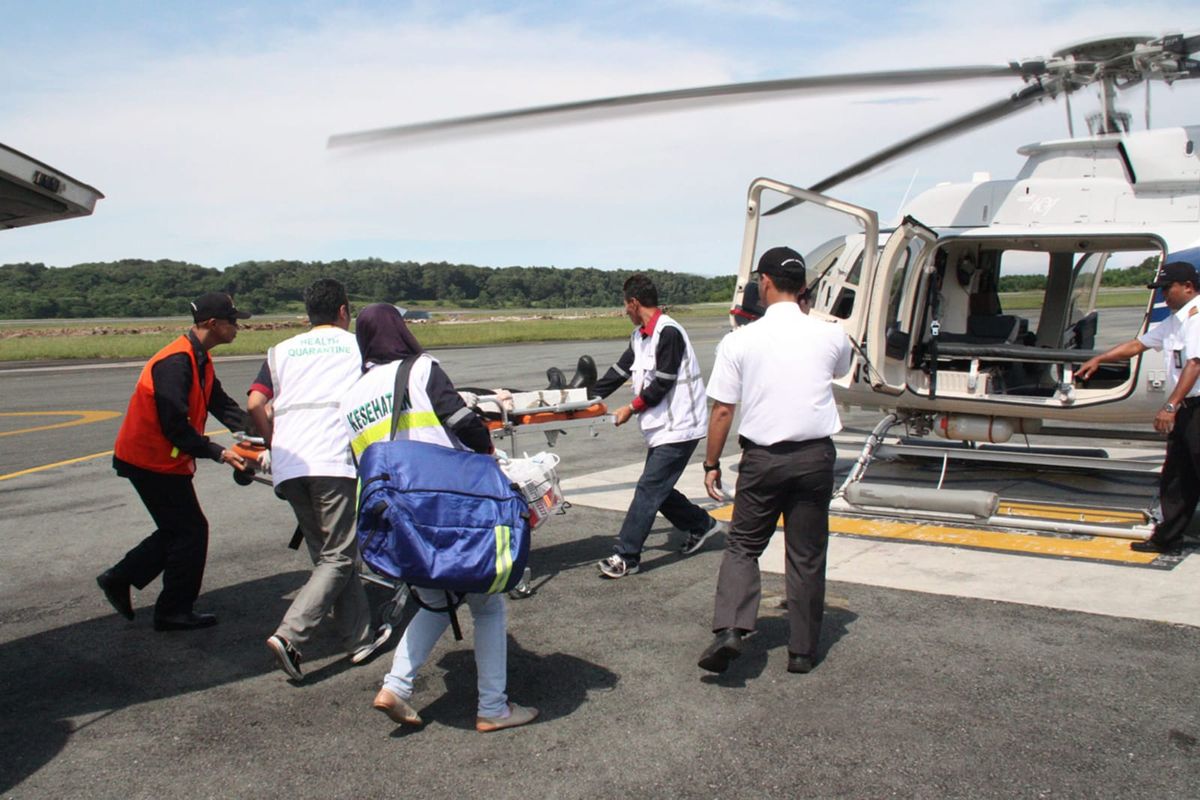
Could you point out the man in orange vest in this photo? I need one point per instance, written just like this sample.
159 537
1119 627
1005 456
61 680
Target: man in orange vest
160 439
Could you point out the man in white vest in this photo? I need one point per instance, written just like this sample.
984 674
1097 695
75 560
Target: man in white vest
294 401
669 401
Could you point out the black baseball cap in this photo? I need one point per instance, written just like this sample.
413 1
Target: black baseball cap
216 305
784 262
1175 272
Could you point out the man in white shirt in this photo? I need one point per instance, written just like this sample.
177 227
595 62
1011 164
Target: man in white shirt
780 369
303 380
1178 336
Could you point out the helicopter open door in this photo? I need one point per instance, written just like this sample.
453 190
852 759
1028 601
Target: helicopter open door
838 241
893 297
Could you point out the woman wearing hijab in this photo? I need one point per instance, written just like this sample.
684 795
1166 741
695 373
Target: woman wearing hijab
437 415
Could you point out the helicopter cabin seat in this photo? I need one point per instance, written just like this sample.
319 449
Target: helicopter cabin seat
989 329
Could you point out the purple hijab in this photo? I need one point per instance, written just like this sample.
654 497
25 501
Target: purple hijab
383 336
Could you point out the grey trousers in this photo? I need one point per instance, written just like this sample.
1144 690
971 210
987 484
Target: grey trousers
325 509
794 479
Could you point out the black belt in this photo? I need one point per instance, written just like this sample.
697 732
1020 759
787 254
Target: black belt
785 446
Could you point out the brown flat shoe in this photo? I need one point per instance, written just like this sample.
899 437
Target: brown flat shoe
396 708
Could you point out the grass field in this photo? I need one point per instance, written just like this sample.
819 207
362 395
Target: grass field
85 339
118 339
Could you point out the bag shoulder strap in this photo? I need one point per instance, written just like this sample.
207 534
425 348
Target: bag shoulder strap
400 392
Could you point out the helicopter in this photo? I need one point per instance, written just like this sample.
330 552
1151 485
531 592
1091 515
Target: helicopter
933 347
32 192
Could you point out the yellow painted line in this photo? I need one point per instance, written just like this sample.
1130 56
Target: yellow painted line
1099 548
45 467
81 418
78 460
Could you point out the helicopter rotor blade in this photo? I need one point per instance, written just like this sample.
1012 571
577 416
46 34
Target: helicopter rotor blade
650 102
961 124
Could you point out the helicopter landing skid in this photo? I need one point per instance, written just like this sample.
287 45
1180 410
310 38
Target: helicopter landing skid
985 508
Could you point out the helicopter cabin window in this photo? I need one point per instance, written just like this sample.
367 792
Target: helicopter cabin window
1015 319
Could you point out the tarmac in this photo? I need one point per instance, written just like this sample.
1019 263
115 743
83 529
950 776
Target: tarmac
946 670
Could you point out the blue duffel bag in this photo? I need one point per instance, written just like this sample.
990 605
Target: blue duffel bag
441 518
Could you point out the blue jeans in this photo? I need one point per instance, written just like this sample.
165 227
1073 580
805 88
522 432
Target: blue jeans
656 493
490 616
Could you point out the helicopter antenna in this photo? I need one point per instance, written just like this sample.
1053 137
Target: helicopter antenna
904 199
1147 105
1070 121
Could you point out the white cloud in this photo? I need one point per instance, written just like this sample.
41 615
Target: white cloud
215 154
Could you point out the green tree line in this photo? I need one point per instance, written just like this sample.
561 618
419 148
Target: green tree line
137 288
1140 275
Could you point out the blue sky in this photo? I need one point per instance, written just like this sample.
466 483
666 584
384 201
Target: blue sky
204 123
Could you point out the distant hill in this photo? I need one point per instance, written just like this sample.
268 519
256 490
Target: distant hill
138 288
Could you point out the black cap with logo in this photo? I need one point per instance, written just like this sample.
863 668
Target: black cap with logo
784 262
216 305
1175 272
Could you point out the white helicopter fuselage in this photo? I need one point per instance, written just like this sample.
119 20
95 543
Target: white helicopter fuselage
922 306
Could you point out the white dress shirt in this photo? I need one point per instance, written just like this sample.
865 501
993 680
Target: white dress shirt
1178 337
780 371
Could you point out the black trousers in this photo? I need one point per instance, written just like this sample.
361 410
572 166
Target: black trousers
177 550
794 479
1179 485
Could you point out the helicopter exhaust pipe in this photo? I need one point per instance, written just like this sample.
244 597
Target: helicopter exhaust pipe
966 502
976 428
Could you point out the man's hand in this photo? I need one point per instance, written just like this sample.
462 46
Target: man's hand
712 484
234 460
1089 367
622 415
1164 421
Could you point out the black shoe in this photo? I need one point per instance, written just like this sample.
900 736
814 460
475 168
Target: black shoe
585 373
1151 546
288 656
117 593
184 622
799 664
726 646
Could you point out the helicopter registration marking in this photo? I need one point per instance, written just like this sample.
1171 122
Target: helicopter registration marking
1097 548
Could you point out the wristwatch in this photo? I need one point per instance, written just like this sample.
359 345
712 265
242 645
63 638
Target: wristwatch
1170 408
712 467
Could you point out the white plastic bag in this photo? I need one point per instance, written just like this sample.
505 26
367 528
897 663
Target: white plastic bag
536 478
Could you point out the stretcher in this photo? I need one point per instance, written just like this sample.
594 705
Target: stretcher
551 412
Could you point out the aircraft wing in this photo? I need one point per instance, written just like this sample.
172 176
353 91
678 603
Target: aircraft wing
32 192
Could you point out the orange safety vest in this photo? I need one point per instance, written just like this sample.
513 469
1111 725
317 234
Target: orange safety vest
141 441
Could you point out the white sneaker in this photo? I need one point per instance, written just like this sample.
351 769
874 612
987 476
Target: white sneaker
616 567
696 540
382 634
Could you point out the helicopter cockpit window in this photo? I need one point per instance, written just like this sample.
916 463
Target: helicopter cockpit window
831 242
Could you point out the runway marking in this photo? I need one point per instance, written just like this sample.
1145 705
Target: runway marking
45 467
1097 548
80 459
81 418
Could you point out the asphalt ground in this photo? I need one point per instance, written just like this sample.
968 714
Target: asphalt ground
917 695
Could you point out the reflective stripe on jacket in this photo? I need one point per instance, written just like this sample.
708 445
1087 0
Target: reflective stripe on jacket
367 408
